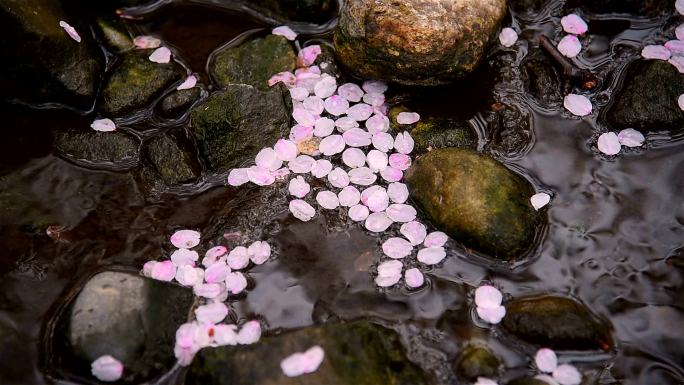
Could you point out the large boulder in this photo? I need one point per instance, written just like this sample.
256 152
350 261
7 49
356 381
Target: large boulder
416 42
358 353
135 83
233 125
253 62
556 322
648 99
114 150
41 63
476 200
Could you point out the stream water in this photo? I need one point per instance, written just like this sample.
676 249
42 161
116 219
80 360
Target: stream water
615 238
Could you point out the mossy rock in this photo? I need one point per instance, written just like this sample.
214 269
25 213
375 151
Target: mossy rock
136 82
648 99
358 353
476 200
476 361
100 149
253 62
543 80
432 133
233 125
556 322
171 156
177 102
114 35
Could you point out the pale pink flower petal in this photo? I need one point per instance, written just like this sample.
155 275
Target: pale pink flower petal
327 200
375 198
678 62
216 252
346 123
485 381
396 247
207 290
350 92
508 37
374 86
249 333
360 111
377 123
260 176
325 87
299 93
238 176
188 275
655 52
338 178
302 210
414 278
397 192
389 273
71 31
146 42
401 213
358 213
185 335
185 239
336 105
569 46
400 161
391 174
435 239
577 104
349 196
546 360
373 99
298 187
353 157
107 368
216 272
631 138
225 334
188 83
183 257
286 150
161 55
383 141
212 313
304 117
324 127
301 164
302 363
236 282
574 24
378 222
163 271
103 125
356 137
407 117
679 32
307 80
204 334
377 160
492 316
259 252
314 104
608 143
287 78
268 158
362 176
676 47
308 55
414 231
321 168
679 6
281 173
238 258
331 145
567 375
540 200
488 297
403 143
431 255
285 32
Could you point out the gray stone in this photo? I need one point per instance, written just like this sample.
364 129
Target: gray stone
177 102
171 156
100 149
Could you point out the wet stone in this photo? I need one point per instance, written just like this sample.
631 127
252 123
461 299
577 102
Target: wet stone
528 6
177 102
232 126
476 200
114 35
416 42
435 132
648 99
100 149
171 156
136 82
649 8
358 353
510 130
476 361
253 62
131 318
556 322
543 80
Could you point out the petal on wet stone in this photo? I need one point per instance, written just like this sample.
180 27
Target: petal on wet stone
546 360
321 168
285 32
107 368
414 231
435 239
431 255
353 157
374 86
185 239
338 178
383 141
103 125
336 105
301 164
657 52
567 375
161 55
577 104
268 158
299 93
350 92
286 150
377 123
488 297
307 56
188 83
286 78
377 160
302 210
378 222
182 257
236 282
238 258
400 161
414 278
212 313
508 37
298 187
391 174
260 176
259 252
71 31
403 143
396 247
407 117
358 213
146 42
331 145
492 316
356 137
608 143
302 363
631 138
324 127
349 196
540 200
216 273
238 177
574 24
360 111
401 213
678 62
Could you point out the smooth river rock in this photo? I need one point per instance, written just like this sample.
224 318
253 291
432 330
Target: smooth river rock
476 361
416 42
476 200
113 150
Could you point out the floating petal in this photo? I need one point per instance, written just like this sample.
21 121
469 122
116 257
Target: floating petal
540 200
358 213
107 368
488 297
327 200
546 360
362 176
508 37
678 62
375 198
577 104
360 111
268 158
403 143
374 86
574 24
391 174
185 239
321 168
238 177
285 32
397 247
377 123
286 150
349 196
336 105
188 83
324 127
377 160
356 137
655 52
259 252
431 255
71 31
350 92
435 239
569 46
567 374
188 275
492 316
298 187
378 222
103 125
238 258
212 313
383 141
608 143
302 210
631 138
400 161
331 145
346 123
301 164
161 55
325 87
216 273
299 93
182 257
260 176
414 278
353 157
249 333
236 282
225 334
338 178
414 231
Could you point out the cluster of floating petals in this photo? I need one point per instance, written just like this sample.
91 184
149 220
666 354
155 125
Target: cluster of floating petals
488 301
71 31
547 362
611 143
577 104
188 83
146 42
107 369
540 200
103 125
303 363
160 55
285 32
508 37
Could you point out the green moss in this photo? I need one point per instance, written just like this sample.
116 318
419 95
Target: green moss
115 35
433 133
476 361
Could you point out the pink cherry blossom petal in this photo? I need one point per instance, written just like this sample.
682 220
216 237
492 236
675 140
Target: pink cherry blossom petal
414 278
185 239
608 143
207 290
431 255
308 55
377 160
577 104
375 198
299 93
678 62
676 47
163 271
655 52
397 248
298 187
360 111
259 252
299 133
301 164
260 176
314 104
679 32
349 196
401 213
302 210
183 257
324 127
212 313
249 333
540 200
567 375
327 200
391 174
435 239
325 87
377 123
378 222
71 31
303 363
238 258
546 360
358 213
356 137
346 123
574 24
403 143
216 252
285 32
631 138
414 231
331 145
353 157
397 192
304 117
362 176
146 42
508 37
203 334
188 83
408 117
350 92
336 105
225 334
161 55
286 78
374 99
383 141
338 178
374 86
679 6
488 297
216 273
107 368
236 282
307 80
389 273
268 158
103 125
321 168
238 177
286 150
569 46
492 316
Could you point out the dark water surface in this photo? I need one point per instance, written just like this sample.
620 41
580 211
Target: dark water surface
615 239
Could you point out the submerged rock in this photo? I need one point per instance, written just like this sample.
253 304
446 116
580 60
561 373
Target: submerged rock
177 102
114 35
647 8
136 82
131 318
357 353
171 156
476 200
232 126
543 80
417 42
648 99
432 133
41 63
253 62
101 149
476 361
556 322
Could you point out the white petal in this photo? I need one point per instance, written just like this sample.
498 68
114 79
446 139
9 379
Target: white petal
508 37
302 210
488 297
431 255
567 375
608 143
577 104
540 200
546 360
631 138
